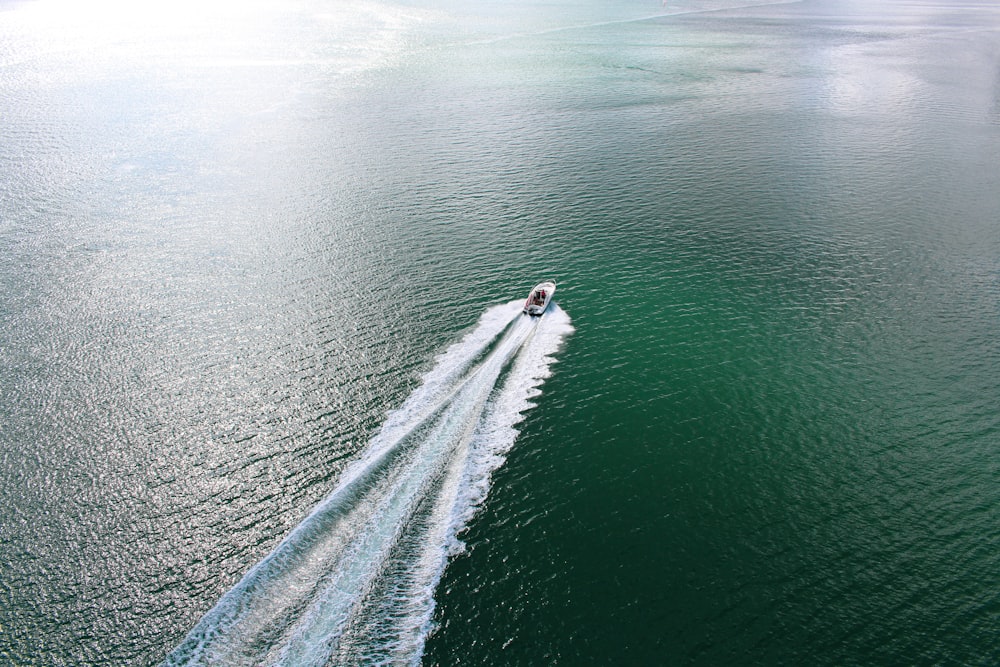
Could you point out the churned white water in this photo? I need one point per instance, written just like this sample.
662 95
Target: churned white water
355 580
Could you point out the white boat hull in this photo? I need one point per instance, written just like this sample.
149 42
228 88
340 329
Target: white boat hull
539 298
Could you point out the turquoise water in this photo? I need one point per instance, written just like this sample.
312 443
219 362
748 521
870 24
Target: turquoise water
253 253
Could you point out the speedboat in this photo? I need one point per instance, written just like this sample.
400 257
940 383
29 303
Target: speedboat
538 299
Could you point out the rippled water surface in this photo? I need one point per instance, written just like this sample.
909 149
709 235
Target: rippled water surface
242 244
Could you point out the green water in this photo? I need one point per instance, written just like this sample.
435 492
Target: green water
228 251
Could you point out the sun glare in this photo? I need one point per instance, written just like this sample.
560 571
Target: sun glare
125 17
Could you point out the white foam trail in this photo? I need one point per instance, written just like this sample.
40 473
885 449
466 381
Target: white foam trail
355 580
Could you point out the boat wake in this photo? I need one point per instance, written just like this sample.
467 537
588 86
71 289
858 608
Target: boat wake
354 582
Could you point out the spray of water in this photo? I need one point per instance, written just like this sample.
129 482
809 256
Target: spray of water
354 582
